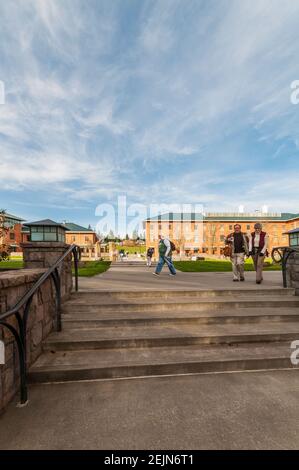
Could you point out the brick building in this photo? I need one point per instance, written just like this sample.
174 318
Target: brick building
85 238
13 236
205 233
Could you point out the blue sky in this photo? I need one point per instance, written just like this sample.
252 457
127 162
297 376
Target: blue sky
184 101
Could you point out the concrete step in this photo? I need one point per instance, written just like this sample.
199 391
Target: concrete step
121 363
172 335
110 305
100 296
95 319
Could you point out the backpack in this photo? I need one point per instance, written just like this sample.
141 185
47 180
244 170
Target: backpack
172 246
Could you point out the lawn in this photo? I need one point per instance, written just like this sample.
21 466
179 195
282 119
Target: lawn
91 268
217 266
11 264
132 249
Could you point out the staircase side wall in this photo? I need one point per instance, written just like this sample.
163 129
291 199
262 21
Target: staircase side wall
13 285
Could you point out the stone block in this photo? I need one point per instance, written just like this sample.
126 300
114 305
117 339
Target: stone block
36 335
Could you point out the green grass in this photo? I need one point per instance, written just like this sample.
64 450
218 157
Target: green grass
11 264
91 268
132 249
216 266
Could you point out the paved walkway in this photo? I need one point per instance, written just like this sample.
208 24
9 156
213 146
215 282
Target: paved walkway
221 411
257 410
140 277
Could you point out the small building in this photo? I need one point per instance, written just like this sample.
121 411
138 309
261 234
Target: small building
294 238
46 230
85 238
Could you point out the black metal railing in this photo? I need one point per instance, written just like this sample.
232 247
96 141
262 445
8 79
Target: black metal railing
24 304
281 254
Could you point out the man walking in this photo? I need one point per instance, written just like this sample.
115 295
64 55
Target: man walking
258 244
239 248
149 255
165 256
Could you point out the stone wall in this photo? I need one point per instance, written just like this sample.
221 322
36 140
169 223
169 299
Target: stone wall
41 320
293 271
44 255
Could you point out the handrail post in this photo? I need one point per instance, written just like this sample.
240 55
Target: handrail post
284 268
75 253
57 285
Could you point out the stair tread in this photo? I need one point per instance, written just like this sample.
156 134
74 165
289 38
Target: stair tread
249 311
173 331
122 357
191 300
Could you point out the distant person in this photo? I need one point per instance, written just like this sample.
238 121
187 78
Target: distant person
122 255
165 256
149 255
238 242
258 244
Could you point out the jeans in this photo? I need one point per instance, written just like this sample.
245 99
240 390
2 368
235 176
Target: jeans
168 261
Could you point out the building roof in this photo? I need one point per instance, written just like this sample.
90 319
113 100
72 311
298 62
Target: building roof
13 217
222 217
76 228
295 230
46 223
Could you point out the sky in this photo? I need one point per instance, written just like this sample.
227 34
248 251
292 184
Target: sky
165 101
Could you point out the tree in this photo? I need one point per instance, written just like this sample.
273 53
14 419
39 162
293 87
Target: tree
3 228
111 235
135 235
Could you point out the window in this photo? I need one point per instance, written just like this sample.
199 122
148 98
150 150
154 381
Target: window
222 238
87 239
294 239
248 227
230 227
12 236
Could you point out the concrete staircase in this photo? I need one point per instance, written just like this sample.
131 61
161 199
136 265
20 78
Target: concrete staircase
146 333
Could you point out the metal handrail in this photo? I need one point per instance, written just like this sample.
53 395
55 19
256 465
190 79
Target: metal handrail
20 333
281 255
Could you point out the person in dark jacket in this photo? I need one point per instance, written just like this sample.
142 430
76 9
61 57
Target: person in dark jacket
149 255
239 246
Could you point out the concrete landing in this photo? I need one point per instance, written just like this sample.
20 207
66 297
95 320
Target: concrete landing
140 277
222 411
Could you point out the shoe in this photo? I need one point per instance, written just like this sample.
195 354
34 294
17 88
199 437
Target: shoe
156 274
170 274
235 280
258 282
242 279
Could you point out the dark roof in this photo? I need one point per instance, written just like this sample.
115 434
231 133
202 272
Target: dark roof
14 217
46 223
295 230
222 217
76 228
